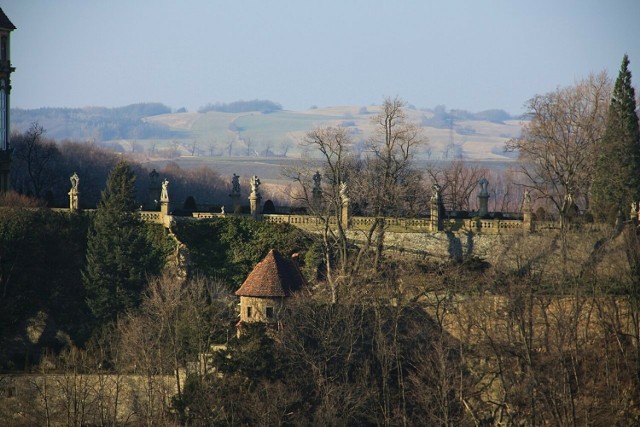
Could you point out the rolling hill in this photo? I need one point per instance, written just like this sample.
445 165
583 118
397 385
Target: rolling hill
278 134
228 140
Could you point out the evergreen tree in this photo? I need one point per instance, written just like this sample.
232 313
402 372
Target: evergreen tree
617 174
118 253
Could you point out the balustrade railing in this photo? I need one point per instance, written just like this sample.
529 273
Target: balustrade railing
407 225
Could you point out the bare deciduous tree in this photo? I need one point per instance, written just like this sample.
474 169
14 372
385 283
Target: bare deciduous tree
35 158
334 147
175 325
458 181
557 145
384 178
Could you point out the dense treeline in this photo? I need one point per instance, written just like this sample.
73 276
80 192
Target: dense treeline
41 168
261 105
43 254
443 119
96 123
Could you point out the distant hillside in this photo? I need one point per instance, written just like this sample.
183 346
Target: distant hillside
95 123
261 128
263 106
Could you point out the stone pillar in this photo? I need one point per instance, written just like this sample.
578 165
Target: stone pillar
436 209
527 215
344 206
255 204
74 194
235 193
316 193
483 198
164 198
153 197
255 198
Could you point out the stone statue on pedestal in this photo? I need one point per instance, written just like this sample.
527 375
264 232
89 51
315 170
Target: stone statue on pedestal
235 193
483 186
483 197
75 180
255 185
164 195
344 195
255 197
235 184
435 197
317 180
74 203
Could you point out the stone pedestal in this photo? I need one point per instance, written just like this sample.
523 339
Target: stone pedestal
527 221
436 209
316 193
344 205
316 199
436 220
254 203
74 200
255 198
235 202
483 198
483 201
527 215
164 208
344 214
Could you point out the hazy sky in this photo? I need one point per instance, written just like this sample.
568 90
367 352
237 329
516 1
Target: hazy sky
472 55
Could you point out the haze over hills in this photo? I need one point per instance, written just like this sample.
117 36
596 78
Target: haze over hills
244 131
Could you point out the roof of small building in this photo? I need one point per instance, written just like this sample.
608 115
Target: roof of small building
5 22
274 276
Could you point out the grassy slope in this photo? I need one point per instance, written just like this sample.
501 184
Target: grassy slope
250 135
282 131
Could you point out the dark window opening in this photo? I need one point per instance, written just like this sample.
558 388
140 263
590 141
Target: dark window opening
248 311
270 312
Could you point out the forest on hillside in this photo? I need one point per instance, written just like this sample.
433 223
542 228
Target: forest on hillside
42 166
411 341
95 124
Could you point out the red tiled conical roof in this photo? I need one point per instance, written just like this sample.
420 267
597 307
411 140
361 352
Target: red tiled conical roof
274 276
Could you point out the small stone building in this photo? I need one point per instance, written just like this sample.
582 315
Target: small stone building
263 294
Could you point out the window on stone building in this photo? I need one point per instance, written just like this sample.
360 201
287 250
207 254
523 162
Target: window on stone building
270 312
248 311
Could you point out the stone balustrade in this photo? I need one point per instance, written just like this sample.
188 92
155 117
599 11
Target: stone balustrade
151 216
362 223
